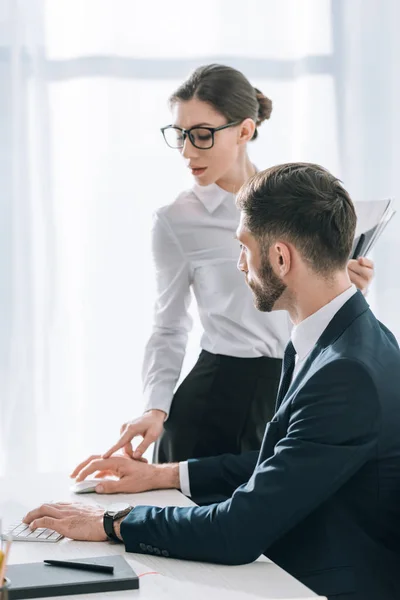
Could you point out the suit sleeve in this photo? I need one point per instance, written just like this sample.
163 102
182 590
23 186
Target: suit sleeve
221 475
332 433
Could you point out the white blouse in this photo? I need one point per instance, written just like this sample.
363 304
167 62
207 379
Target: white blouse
194 247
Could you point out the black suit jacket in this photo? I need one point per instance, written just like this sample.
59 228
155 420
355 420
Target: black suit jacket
322 497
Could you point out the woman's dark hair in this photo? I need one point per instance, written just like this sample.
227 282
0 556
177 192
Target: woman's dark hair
228 91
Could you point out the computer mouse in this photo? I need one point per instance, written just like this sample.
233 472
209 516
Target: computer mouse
86 486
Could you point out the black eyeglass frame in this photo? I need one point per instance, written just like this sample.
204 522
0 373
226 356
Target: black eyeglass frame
187 133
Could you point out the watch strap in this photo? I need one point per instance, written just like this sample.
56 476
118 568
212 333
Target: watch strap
109 518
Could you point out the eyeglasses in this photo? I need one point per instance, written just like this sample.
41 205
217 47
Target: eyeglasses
201 137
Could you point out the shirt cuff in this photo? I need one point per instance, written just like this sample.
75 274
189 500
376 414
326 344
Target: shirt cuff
160 399
184 478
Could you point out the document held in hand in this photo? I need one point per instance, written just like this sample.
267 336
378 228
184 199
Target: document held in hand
372 218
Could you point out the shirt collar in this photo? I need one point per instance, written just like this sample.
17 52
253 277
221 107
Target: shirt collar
306 334
211 195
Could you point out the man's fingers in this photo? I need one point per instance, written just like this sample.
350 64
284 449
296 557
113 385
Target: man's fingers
100 464
102 474
47 523
110 487
83 464
45 510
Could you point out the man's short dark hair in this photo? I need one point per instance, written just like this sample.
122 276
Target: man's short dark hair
306 205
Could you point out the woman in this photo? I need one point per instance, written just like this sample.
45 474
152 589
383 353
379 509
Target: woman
225 402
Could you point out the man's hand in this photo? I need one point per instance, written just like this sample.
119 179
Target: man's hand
101 474
361 272
150 426
133 475
75 521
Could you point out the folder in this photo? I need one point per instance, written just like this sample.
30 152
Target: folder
372 218
37 580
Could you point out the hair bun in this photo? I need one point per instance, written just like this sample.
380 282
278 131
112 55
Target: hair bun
264 107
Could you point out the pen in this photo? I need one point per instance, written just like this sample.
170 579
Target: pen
81 566
4 560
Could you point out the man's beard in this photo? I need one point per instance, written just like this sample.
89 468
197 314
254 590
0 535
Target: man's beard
269 290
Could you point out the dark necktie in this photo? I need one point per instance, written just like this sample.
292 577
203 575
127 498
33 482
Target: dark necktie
287 373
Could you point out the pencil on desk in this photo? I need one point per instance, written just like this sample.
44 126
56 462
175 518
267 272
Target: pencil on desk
4 561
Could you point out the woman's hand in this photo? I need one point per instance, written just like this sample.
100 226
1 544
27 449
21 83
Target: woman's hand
150 426
361 273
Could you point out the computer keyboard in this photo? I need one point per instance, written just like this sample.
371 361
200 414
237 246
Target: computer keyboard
20 532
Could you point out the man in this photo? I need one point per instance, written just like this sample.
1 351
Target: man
322 497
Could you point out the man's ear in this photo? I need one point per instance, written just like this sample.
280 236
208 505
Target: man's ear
246 131
283 259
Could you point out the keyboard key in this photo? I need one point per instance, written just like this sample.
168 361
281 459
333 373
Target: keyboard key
24 533
46 533
41 532
18 530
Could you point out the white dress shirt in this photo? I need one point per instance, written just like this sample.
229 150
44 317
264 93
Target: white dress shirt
194 248
304 336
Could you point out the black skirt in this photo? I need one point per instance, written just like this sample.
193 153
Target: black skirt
223 405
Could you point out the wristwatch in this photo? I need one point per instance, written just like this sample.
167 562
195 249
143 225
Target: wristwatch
109 518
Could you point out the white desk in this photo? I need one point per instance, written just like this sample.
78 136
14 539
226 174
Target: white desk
175 579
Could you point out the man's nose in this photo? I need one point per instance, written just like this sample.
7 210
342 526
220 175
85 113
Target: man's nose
241 263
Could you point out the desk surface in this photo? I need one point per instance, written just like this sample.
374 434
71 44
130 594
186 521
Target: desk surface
160 577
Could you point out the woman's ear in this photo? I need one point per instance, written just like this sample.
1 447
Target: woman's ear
246 130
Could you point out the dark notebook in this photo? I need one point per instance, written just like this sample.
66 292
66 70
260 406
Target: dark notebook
37 580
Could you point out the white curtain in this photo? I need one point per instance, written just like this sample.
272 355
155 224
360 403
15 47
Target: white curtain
83 91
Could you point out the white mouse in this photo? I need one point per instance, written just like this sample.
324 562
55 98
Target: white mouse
86 486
